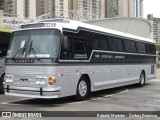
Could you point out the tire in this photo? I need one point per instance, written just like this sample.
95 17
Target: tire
142 80
83 89
1 86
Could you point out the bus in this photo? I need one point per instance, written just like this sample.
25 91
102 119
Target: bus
60 57
5 35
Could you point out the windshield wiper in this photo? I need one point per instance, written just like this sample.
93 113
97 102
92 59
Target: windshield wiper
34 52
19 51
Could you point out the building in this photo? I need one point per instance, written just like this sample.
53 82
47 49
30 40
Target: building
89 9
61 8
106 8
10 7
139 8
32 8
120 8
124 8
98 9
74 9
27 8
21 10
1 4
156 27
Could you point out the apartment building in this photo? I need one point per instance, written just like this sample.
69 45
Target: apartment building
120 8
61 8
1 4
90 9
98 9
10 7
139 8
87 9
156 27
124 8
27 8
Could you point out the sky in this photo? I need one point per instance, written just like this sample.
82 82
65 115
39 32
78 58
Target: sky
152 7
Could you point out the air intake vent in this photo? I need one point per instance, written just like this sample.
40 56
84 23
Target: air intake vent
37 25
57 20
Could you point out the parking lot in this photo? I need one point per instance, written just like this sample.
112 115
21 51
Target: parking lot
127 98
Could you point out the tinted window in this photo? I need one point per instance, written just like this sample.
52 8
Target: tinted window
98 42
80 51
66 49
115 44
150 49
4 43
130 46
73 48
141 48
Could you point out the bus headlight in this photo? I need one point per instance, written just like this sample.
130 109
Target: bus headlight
40 81
9 78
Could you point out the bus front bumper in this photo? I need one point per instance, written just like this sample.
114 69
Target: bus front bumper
32 92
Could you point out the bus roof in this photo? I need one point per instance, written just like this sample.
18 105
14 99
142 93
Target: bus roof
5 30
74 25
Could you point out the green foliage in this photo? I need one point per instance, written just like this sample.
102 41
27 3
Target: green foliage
158 47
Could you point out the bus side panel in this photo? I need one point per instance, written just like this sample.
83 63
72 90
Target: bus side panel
101 76
110 76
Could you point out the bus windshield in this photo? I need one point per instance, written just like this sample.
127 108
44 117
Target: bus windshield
41 43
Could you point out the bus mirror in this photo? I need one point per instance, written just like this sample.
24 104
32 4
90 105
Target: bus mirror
65 43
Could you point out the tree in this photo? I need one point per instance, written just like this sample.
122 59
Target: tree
158 47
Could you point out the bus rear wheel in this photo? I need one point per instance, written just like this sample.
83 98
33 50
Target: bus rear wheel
83 89
142 80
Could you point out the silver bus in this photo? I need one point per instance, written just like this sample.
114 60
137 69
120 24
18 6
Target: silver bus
5 35
60 57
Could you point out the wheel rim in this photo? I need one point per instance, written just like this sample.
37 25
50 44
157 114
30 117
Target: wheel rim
142 79
82 88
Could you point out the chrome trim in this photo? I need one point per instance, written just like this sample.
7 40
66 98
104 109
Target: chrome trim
33 92
31 96
116 81
53 89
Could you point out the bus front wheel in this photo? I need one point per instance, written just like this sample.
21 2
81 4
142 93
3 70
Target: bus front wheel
83 89
142 79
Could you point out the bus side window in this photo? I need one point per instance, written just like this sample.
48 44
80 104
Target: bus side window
80 51
141 48
130 46
150 49
116 44
66 50
98 42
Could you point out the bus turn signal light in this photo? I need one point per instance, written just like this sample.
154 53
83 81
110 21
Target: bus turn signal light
52 80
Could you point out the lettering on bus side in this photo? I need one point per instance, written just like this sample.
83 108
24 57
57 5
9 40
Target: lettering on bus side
24 61
121 58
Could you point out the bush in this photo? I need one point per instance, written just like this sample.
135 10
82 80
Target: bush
158 47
